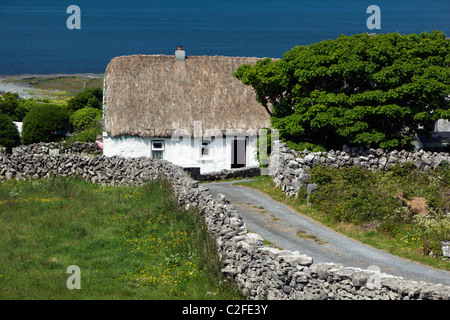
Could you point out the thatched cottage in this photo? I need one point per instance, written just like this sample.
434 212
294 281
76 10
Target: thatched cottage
187 110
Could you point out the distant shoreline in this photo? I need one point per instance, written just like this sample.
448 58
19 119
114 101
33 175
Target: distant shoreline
19 83
28 75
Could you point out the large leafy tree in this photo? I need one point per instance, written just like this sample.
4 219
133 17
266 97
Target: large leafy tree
10 105
360 90
45 123
9 133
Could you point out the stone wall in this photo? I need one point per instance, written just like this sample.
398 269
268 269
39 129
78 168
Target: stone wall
59 148
261 271
288 168
246 172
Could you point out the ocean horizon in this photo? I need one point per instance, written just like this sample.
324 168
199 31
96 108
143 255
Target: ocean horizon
35 38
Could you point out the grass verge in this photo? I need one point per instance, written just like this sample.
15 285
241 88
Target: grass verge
129 243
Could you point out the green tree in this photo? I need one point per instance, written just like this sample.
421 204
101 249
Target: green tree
85 118
45 123
10 105
361 90
92 98
9 133
27 104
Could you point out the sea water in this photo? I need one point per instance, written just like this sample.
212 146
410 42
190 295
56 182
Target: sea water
35 38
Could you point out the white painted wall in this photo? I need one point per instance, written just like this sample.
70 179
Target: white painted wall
442 125
184 152
19 126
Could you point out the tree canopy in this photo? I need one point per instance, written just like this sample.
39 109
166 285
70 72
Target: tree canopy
45 123
85 118
91 98
361 90
9 133
10 105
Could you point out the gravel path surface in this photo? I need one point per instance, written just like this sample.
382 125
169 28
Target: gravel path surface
282 226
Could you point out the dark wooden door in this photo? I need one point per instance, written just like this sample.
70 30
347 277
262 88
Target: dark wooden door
238 153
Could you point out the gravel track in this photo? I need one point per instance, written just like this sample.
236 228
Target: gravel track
290 230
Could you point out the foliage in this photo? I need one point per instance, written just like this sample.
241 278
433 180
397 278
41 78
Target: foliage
432 230
360 90
91 98
88 135
45 123
352 194
10 106
27 104
85 118
9 133
357 195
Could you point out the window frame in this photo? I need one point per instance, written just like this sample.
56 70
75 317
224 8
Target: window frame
157 150
205 145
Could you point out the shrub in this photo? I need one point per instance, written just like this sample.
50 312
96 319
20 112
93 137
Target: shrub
85 118
402 170
91 98
9 134
352 194
88 135
45 123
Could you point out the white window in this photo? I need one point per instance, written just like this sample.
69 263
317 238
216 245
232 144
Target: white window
204 152
158 149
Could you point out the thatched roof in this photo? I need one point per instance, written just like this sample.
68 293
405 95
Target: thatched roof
152 95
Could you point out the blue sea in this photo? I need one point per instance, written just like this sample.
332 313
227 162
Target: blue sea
35 39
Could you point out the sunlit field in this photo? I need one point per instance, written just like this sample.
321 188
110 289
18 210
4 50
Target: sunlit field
128 242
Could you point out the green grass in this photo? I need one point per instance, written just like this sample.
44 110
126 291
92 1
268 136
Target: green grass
129 243
397 233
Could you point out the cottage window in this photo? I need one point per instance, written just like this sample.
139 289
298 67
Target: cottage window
157 155
205 148
158 149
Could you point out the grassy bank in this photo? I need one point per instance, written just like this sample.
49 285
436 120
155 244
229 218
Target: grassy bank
129 243
403 212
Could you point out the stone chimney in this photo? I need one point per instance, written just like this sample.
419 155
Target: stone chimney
180 54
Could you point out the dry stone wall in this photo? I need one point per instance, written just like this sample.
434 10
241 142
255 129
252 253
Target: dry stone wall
261 271
59 148
246 172
289 168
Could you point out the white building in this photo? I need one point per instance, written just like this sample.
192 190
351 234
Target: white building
190 111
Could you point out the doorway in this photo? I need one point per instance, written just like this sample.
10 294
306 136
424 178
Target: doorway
238 152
